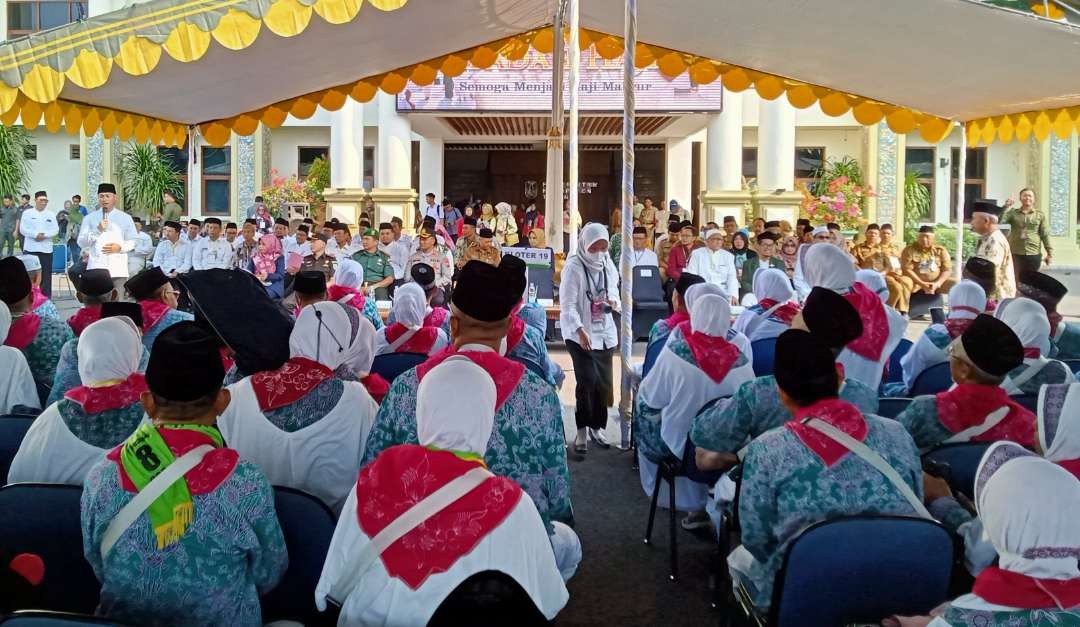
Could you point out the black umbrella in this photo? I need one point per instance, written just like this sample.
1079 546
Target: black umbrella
234 306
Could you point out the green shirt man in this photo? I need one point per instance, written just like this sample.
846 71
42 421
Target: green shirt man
378 271
766 248
1028 231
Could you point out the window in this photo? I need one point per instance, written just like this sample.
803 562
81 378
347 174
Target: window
975 180
808 160
178 157
920 162
216 178
74 152
305 156
749 162
369 168
30 152
25 17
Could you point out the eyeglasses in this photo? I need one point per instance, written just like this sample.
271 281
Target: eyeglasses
173 293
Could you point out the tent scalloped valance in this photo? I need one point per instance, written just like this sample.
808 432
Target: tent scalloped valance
85 53
1061 122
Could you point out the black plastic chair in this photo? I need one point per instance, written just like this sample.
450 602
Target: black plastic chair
1028 401
40 618
390 365
962 460
12 431
308 526
45 519
874 566
891 407
1073 364
488 598
936 378
764 356
648 295
652 353
921 303
896 372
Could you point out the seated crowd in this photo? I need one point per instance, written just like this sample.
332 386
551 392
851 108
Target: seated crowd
178 425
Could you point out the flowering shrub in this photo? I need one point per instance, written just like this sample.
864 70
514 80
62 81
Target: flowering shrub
283 190
840 199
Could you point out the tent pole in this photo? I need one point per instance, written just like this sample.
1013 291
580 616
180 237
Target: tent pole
575 78
960 196
553 195
626 334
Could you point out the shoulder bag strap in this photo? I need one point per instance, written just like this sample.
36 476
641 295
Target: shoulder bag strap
360 556
992 420
871 457
1013 385
141 501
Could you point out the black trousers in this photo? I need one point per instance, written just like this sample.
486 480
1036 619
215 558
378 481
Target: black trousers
592 369
46 272
1026 262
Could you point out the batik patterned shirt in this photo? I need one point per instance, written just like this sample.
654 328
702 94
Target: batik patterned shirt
232 552
533 350
311 408
756 408
169 319
67 370
964 617
48 309
786 488
105 429
526 445
43 353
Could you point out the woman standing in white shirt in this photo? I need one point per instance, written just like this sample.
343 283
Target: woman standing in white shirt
588 295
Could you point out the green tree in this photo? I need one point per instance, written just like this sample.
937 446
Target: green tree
15 168
145 175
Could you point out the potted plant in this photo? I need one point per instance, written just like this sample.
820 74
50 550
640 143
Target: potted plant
144 176
838 194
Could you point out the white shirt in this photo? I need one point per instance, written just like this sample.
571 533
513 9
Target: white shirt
16 383
399 257
434 211
140 255
576 308
643 258
716 267
51 453
208 254
869 372
34 222
173 257
121 231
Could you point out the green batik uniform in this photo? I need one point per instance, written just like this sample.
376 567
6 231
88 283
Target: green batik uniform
377 267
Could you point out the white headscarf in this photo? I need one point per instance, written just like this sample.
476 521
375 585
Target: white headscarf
698 290
1028 320
455 406
589 235
321 334
965 297
349 274
828 267
711 315
1059 421
1029 508
361 351
875 281
773 284
503 208
410 305
5 321
109 351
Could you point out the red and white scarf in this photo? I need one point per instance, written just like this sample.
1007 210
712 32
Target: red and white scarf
714 355
840 414
506 373
1003 587
784 313
421 341
437 317
83 318
23 330
39 297
289 383
95 400
968 404
516 331
376 386
204 478
338 293
152 313
871 344
405 475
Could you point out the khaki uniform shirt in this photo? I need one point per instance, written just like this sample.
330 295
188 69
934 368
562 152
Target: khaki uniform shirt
663 251
490 255
928 264
463 243
1028 232
324 264
437 260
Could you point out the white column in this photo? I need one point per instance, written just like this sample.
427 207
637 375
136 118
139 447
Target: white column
724 143
347 146
678 185
431 168
776 145
394 160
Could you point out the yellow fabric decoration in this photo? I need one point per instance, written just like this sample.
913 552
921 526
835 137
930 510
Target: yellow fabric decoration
287 18
90 69
138 56
237 30
187 43
42 84
338 11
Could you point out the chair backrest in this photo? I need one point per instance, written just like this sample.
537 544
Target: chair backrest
652 353
936 378
892 406
874 566
647 287
12 431
764 356
44 519
390 365
40 618
1073 364
1028 401
896 372
59 258
963 460
488 598
308 526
